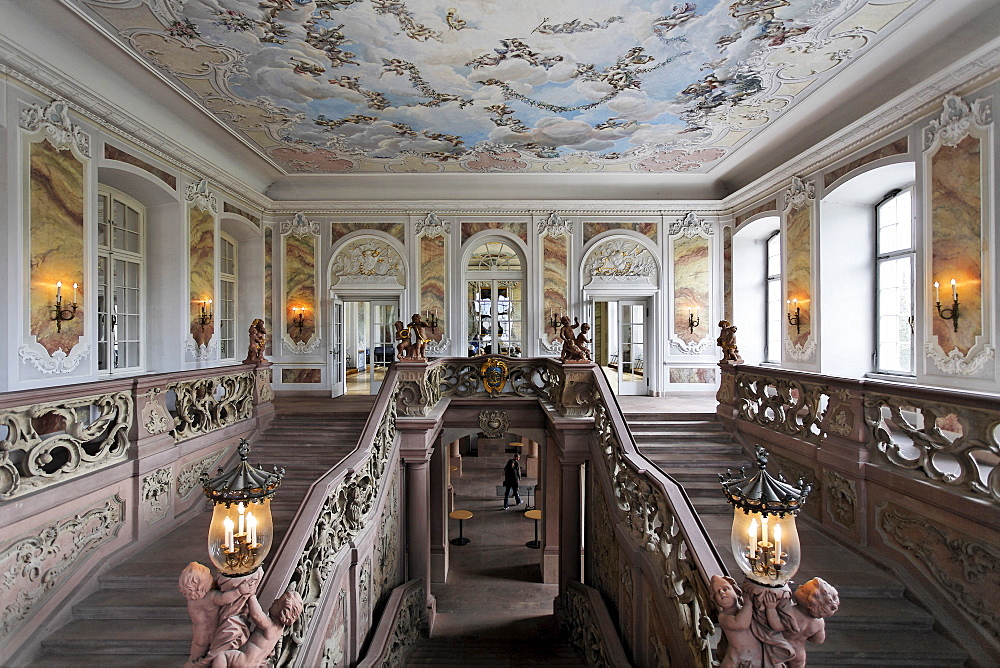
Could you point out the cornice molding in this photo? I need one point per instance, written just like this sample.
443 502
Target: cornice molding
43 79
506 208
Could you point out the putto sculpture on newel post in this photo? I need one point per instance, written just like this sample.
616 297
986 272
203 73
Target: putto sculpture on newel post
727 341
239 538
258 340
575 348
764 624
412 338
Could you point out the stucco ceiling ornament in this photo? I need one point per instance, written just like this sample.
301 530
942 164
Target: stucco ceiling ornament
59 362
368 260
799 194
299 226
54 120
432 226
203 198
621 258
555 226
955 362
956 120
691 226
800 352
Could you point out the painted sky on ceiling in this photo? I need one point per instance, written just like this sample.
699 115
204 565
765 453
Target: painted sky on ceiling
497 86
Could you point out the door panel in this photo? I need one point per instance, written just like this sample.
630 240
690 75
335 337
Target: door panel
384 314
631 335
337 349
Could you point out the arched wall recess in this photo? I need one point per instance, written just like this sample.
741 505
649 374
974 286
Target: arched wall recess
616 261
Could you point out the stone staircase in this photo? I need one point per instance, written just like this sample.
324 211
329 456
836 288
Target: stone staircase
877 624
496 651
138 617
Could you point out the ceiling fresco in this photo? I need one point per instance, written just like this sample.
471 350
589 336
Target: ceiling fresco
571 86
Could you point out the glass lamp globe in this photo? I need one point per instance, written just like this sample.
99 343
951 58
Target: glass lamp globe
241 532
764 540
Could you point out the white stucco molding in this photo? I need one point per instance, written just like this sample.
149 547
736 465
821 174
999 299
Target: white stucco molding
198 194
432 226
55 122
58 362
299 226
555 226
956 120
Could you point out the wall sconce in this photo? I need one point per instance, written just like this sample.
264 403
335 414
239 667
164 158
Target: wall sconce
794 320
431 319
694 319
554 322
952 313
241 531
60 314
205 317
299 319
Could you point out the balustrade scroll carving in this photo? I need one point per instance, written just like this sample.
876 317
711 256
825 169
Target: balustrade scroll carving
78 436
189 478
207 404
786 406
581 613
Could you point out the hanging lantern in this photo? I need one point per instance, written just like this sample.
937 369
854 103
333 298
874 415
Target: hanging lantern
241 532
765 541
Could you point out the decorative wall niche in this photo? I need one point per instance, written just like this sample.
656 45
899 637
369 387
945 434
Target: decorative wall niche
957 157
202 211
556 233
434 233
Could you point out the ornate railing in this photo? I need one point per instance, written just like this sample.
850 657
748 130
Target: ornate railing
54 441
399 627
203 405
590 627
659 519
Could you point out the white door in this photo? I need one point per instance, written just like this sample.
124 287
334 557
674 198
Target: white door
632 377
384 314
337 349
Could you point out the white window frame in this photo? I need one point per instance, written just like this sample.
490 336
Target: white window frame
227 306
132 323
906 253
772 279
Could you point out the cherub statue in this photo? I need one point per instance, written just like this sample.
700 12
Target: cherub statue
258 339
284 611
208 606
815 600
727 341
582 340
419 340
735 618
403 347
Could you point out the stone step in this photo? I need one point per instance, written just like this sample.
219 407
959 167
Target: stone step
55 660
668 417
125 636
706 426
693 448
865 612
900 648
451 651
153 603
682 460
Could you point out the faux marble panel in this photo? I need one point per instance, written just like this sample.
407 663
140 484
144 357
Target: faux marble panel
554 272
268 284
798 269
300 284
727 273
338 230
766 206
230 208
56 243
115 153
956 240
520 229
898 147
591 230
692 287
201 226
704 375
301 375
432 281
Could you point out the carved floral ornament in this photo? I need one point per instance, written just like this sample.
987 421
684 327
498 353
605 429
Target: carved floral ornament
299 226
59 129
800 352
59 362
555 226
956 120
493 424
621 258
203 198
799 194
691 226
432 226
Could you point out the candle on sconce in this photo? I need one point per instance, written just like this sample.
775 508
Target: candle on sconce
937 291
251 530
58 292
954 290
241 509
777 543
75 286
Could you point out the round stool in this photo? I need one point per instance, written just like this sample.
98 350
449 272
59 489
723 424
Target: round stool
534 515
461 516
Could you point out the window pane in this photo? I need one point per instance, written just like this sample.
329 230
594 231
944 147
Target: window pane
774 255
894 317
774 315
895 229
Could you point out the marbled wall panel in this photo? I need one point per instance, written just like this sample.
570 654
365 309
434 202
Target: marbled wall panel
956 240
432 281
56 243
268 284
201 232
555 274
591 230
339 230
300 284
798 269
520 229
727 273
897 147
692 287
115 153
766 206
301 375
703 375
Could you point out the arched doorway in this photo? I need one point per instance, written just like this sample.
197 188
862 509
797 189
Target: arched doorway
495 288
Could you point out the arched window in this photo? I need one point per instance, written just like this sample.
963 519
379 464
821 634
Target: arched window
772 318
895 257
227 297
495 287
121 278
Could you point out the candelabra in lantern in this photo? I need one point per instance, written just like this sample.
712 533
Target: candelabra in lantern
241 532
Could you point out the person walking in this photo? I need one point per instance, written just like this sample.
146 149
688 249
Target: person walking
511 476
